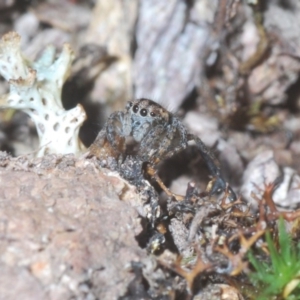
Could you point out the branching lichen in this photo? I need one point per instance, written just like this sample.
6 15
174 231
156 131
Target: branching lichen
35 88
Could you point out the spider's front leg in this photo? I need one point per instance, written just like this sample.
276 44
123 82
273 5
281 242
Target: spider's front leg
118 126
181 139
110 142
153 145
161 142
219 184
171 139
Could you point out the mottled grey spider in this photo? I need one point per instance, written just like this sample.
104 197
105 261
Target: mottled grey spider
157 135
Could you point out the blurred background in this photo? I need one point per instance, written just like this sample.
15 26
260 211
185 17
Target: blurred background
228 68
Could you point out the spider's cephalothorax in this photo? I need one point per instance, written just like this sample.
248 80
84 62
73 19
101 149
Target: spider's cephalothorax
158 135
144 116
158 132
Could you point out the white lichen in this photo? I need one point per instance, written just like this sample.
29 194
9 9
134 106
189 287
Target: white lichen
35 88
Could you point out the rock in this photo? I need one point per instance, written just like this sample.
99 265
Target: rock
264 169
67 230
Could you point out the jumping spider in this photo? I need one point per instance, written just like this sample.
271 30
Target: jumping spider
157 134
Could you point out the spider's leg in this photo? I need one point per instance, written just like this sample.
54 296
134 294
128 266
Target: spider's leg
152 172
211 161
177 134
219 184
114 131
160 143
163 142
153 145
110 142
98 144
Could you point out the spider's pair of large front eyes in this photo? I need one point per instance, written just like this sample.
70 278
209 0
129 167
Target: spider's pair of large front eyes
143 111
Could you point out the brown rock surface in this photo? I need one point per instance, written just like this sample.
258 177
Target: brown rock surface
67 229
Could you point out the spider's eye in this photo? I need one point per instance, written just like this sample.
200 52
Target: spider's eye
143 112
135 109
152 114
130 104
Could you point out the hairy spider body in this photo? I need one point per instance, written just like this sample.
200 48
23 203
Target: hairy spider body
157 135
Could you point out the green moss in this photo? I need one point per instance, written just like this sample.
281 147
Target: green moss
280 277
